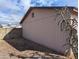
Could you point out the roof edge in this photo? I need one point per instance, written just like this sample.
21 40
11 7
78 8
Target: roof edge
32 7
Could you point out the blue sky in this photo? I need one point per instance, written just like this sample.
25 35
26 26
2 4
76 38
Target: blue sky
12 11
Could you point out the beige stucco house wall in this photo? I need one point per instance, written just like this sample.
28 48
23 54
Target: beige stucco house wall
40 26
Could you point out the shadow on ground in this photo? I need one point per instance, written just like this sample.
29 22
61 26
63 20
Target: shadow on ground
15 39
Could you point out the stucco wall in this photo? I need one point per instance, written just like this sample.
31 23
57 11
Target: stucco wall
43 29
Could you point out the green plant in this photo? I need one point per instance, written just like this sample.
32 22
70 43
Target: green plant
69 25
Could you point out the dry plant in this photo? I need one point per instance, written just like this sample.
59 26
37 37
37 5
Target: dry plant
69 25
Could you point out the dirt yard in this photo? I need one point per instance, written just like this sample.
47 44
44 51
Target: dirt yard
14 46
25 49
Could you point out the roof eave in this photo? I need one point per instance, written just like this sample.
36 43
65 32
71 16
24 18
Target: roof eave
29 10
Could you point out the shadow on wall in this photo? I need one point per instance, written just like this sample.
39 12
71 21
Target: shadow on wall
15 39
